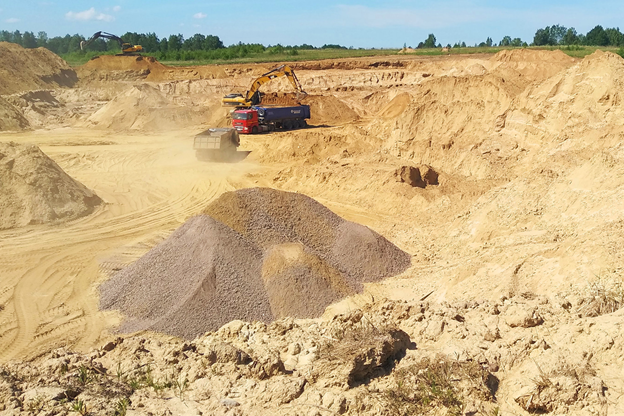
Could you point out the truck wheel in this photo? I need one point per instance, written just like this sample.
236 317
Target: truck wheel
254 130
304 124
287 125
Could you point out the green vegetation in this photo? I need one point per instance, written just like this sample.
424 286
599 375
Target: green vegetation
202 49
428 385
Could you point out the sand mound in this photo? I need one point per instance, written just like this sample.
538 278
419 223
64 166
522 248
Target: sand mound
34 189
259 254
143 107
329 110
124 63
443 119
396 106
10 117
27 69
531 55
145 67
268 217
587 96
203 276
522 67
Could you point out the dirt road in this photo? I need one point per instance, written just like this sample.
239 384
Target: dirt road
150 185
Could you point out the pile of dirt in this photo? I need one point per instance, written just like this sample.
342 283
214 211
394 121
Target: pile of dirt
147 64
34 189
144 107
11 118
329 110
27 69
440 120
259 254
532 55
203 276
110 67
525 66
583 98
280 98
268 218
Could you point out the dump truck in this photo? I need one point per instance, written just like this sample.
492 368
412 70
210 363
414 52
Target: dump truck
265 118
216 144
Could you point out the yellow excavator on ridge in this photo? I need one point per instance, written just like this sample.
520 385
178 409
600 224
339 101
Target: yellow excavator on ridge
126 48
252 97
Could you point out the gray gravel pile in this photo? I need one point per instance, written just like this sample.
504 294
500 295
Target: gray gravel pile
270 217
257 255
200 278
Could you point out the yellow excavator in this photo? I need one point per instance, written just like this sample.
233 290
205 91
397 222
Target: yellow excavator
252 97
126 48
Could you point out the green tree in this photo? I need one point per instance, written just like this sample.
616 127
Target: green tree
570 37
175 42
42 39
29 40
542 37
557 32
615 36
506 41
17 37
430 42
597 37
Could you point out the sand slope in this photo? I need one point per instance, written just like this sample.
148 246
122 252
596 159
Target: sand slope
26 69
34 189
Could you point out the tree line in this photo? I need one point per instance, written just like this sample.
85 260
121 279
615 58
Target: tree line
173 47
555 35
210 47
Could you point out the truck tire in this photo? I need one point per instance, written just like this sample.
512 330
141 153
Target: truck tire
254 130
287 125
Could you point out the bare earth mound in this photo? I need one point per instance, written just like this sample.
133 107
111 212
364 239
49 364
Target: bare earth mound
143 107
34 189
27 69
268 217
203 276
264 254
10 117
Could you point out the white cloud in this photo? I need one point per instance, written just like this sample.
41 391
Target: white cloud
116 8
90 14
12 20
200 15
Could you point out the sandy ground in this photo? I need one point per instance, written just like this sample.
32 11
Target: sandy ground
150 184
526 214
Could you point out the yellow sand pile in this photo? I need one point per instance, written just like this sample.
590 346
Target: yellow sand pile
28 69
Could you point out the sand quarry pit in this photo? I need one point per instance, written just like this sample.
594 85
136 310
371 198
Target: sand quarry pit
337 275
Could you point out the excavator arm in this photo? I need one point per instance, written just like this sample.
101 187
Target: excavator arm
252 97
126 48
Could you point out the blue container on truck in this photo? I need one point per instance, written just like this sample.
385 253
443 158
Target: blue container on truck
283 113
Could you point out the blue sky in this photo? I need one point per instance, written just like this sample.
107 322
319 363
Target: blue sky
358 23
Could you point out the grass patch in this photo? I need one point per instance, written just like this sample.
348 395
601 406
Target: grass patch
432 384
602 296
79 58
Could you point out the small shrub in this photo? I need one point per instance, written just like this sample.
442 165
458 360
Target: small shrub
602 296
80 407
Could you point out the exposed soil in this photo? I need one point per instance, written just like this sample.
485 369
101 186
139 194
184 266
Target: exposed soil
35 190
502 176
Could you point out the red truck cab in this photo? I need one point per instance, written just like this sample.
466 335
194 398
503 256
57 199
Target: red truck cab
245 121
